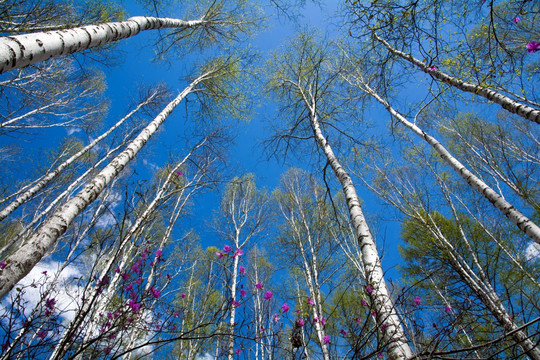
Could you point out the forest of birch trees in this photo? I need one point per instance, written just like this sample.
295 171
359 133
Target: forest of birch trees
401 219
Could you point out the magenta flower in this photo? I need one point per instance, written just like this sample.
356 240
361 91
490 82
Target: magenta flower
179 173
133 295
129 287
326 339
300 322
417 301
125 276
358 321
42 334
380 355
238 351
343 332
447 309
516 19
227 249
369 289
108 350
276 318
432 68
310 302
49 303
268 295
242 270
238 252
2 265
315 319
135 306
323 321
220 255
159 252
242 293
383 326
235 303
139 281
364 303
533 46
117 270
155 293
183 295
259 286
284 308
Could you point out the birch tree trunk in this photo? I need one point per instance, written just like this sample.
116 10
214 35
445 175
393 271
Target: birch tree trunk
20 263
23 50
507 103
45 179
393 333
516 216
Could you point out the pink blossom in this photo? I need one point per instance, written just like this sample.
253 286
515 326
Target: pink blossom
364 303
159 252
358 321
259 286
42 334
155 293
447 309
417 301
533 46
220 255
183 295
516 19
343 332
125 276
227 249
139 281
238 351
380 355
50 303
134 306
384 326
2 265
133 295
108 350
179 173
268 295
129 287
326 339
117 271
369 289
242 270
300 322
276 318
315 319
323 321
433 68
285 308
242 292
235 303
238 252
310 302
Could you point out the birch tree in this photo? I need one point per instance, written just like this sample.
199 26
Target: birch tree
408 190
300 82
20 263
23 50
509 210
242 219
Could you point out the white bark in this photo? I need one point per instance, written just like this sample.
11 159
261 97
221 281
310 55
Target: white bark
507 103
23 50
393 333
521 221
20 263
45 179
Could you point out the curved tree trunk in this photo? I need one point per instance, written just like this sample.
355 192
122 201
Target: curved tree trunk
507 103
393 333
521 221
23 50
20 263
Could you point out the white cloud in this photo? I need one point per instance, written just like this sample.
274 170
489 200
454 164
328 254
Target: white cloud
65 292
206 356
532 252
151 166
73 130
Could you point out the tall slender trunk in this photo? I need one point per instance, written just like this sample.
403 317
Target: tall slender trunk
393 333
516 216
45 179
507 103
20 263
23 50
